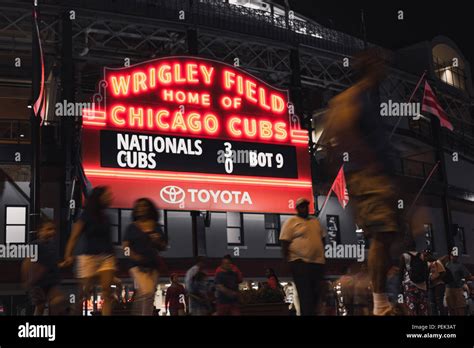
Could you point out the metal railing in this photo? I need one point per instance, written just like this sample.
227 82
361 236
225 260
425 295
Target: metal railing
415 169
15 131
220 14
421 128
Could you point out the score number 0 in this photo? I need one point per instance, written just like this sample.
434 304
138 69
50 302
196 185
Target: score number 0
228 163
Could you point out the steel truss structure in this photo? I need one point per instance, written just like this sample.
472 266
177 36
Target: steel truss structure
107 38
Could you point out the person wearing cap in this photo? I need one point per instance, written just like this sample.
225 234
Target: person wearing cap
302 242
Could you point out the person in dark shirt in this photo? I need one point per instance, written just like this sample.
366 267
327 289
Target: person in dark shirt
175 298
97 259
142 241
227 288
42 277
225 259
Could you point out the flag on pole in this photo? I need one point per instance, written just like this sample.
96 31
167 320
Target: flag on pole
430 104
340 189
40 101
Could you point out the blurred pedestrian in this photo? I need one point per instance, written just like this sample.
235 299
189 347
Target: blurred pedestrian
393 284
142 242
272 279
190 274
437 287
227 289
175 299
415 272
454 288
227 259
302 242
42 276
97 259
199 299
362 291
354 131
346 287
292 295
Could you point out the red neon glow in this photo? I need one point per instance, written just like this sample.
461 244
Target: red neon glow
300 142
280 131
92 123
228 103
184 97
266 130
93 117
259 181
299 131
248 87
114 117
163 74
231 126
196 122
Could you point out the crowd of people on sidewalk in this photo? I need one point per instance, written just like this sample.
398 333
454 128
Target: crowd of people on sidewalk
419 285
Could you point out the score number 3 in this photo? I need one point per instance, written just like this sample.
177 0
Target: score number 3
228 163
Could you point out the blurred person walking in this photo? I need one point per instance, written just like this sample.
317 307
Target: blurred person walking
199 299
142 242
414 274
292 295
272 279
454 288
302 242
175 298
354 132
190 274
362 291
97 259
227 260
437 287
42 276
227 289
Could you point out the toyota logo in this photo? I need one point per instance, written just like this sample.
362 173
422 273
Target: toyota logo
172 194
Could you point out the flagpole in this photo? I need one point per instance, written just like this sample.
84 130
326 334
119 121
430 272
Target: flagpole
409 100
422 187
330 190
34 203
326 200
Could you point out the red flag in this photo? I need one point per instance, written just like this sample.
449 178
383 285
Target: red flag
340 189
431 105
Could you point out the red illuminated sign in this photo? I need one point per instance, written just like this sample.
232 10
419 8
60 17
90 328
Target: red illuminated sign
195 134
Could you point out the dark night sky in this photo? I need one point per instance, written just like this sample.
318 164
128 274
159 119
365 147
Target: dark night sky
423 20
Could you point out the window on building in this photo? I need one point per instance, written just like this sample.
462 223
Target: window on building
428 228
114 218
272 229
15 224
235 235
448 66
